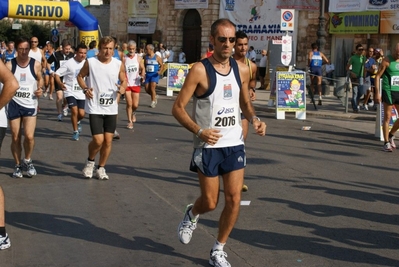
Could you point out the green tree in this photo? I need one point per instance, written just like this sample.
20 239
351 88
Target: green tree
29 28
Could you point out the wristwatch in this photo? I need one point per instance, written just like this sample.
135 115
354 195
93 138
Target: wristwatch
254 118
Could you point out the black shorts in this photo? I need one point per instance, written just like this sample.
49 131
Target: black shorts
390 97
262 71
73 102
100 124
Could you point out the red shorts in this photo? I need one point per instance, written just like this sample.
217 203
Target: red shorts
134 89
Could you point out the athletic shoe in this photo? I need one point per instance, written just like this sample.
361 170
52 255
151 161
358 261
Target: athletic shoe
116 135
392 141
88 169
51 97
130 125
218 259
79 127
320 103
4 242
45 94
75 136
17 172
366 107
187 226
29 168
387 147
153 104
59 117
65 111
101 174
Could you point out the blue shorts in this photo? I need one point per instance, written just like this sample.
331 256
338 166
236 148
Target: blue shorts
218 161
151 77
73 102
316 71
15 111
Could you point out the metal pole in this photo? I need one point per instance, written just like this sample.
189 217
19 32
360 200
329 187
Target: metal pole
321 32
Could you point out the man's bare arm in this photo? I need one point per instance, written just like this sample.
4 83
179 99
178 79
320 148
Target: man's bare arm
10 85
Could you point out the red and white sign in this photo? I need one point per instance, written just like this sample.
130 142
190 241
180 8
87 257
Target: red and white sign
287 19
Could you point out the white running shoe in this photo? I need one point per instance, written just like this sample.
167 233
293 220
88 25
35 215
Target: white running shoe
65 111
392 141
88 169
17 172
187 226
101 174
153 104
29 168
218 259
4 242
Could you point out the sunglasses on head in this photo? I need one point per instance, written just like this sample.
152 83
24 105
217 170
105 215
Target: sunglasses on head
224 39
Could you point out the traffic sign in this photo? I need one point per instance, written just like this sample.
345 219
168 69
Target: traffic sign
287 19
54 38
54 32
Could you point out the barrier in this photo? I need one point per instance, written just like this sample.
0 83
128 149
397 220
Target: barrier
46 10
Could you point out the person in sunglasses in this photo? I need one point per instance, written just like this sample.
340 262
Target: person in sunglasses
357 72
219 87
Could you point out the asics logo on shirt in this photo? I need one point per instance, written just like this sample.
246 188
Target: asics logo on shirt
225 111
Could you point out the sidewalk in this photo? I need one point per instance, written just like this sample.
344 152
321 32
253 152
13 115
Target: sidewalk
332 106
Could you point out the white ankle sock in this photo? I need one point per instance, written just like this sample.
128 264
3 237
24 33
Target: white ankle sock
194 218
218 246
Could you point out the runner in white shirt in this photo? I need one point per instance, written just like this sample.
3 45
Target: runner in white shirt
22 109
72 91
135 73
9 86
101 102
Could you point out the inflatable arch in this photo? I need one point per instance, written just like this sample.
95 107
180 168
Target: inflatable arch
48 10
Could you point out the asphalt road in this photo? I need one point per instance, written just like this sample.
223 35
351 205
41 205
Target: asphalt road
324 197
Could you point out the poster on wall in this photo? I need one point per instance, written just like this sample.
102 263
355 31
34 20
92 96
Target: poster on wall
143 9
259 19
354 22
187 4
389 22
362 5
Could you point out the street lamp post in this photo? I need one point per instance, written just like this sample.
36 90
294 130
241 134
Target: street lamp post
321 32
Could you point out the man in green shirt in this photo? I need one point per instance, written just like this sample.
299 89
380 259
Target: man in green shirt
357 73
389 72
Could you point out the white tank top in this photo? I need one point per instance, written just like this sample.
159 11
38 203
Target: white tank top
219 108
26 78
132 71
70 70
103 80
36 55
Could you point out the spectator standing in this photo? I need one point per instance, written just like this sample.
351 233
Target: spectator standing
357 74
251 54
262 69
182 56
371 69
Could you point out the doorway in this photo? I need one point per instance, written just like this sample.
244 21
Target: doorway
192 36
343 48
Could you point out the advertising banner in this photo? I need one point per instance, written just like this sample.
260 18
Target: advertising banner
143 9
389 22
354 22
299 4
141 25
291 91
362 5
176 76
187 4
259 19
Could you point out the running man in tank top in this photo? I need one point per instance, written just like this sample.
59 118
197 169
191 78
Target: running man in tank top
48 77
9 86
153 66
219 88
22 109
37 53
135 73
10 53
72 91
315 61
389 93
101 103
